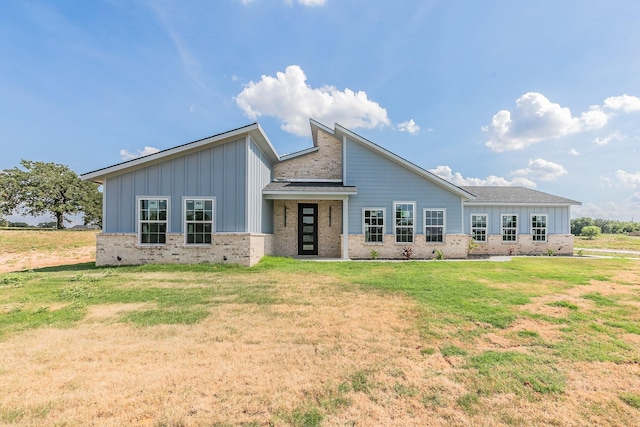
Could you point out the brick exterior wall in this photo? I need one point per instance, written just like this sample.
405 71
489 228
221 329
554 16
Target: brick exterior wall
238 248
560 244
285 238
326 163
455 247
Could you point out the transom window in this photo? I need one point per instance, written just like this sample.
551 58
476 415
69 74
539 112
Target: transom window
479 227
434 225
403 218
198 221
373 224
153 214
509 228
539 228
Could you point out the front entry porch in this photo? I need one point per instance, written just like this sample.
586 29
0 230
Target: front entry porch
307 228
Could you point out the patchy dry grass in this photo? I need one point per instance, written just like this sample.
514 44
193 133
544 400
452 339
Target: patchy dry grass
29 249
537 342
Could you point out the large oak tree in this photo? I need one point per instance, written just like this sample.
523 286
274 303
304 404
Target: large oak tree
48 188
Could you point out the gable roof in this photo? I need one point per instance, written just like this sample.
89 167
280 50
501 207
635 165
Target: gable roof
254 130
514 196
344 132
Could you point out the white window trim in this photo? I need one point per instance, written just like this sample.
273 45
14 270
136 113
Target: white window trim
444 224
384 225
415 218
502 228
486 229
546 227
184 219
139 229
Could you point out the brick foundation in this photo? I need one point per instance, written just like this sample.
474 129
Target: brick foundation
232 248
455 246
560 244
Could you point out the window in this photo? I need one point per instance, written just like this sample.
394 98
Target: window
479 227
539 228
153 216
373 225
403 217
434 225
198 221
509 228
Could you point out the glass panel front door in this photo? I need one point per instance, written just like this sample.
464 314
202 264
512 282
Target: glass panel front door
307 229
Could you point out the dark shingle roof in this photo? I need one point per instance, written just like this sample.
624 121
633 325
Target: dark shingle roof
514 195
309 187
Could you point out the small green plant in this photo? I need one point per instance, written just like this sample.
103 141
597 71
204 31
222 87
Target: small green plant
550 252
438 254
591 232
580 252
428 351
360 382
471 246
407 252
373 254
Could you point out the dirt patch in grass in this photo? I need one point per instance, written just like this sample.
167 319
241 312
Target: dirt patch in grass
31 260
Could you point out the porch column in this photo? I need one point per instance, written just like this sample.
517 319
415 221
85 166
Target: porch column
345 228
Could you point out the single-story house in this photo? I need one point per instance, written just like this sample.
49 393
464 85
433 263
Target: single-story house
232 198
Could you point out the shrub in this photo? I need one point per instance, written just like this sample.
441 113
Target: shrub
374 254
591 232
407 252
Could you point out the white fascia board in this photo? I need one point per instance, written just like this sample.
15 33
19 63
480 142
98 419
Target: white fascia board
405 163
307 180
298 153
289 195
522 204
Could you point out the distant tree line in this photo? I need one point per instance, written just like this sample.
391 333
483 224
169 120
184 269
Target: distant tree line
607 226
39 188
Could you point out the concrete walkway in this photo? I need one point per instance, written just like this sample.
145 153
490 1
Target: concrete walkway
611 251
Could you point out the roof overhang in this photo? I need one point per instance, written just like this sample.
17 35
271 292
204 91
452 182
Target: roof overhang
298 190
254 131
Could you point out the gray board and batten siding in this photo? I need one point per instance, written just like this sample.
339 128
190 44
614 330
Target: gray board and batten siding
260 210
520 201
381 182
557 217
219 172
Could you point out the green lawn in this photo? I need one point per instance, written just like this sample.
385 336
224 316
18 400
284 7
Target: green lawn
460 304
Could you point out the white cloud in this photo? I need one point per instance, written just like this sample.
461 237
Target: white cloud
312 3
445 172
128 155
410 127
289 98
625 103
613 136
534 119
309 3
628 179
574 152
609 210
542 170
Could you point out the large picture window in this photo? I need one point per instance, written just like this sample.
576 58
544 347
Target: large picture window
373 225
479 227
153 214
403 218
509 228
539 228
434 220
198 221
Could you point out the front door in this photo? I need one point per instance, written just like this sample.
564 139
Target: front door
307 229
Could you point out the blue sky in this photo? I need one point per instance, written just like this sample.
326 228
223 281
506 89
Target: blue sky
538 93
